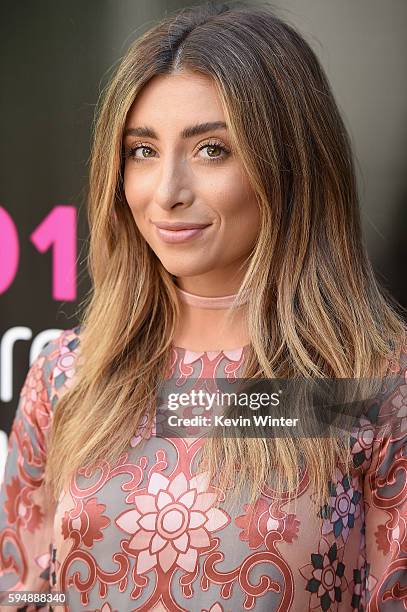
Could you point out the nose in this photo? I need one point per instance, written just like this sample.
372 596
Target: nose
173 184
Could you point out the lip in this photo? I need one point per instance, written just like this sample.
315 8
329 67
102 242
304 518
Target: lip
179 225
177 236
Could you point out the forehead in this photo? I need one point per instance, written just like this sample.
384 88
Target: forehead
179 97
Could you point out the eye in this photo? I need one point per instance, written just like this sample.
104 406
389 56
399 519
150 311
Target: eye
132 152
213 147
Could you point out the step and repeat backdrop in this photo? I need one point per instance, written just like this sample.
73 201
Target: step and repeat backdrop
56 58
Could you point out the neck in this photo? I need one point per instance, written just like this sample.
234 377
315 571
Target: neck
211 323
200 301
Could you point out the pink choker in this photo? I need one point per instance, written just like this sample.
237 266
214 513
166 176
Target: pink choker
201 301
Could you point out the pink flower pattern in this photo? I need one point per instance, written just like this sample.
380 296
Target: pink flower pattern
172 522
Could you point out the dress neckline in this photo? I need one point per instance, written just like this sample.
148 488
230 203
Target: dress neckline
243 347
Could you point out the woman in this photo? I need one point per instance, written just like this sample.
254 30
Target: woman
221 120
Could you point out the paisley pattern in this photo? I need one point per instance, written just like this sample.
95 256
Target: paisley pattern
143 533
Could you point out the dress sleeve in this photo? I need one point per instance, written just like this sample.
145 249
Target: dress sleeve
385 499
26 514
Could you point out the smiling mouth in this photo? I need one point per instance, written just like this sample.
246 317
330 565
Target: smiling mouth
173 236
179 225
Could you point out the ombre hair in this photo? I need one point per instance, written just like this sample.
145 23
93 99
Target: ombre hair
315 307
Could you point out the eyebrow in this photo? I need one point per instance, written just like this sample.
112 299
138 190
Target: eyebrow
188 132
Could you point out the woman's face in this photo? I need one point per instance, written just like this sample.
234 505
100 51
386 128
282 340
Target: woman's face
192 177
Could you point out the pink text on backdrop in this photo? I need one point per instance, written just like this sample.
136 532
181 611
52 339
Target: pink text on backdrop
9 250
57 230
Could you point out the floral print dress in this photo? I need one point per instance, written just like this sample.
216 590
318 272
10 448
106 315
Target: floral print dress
143 533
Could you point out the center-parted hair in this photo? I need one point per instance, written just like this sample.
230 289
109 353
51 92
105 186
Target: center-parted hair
315 308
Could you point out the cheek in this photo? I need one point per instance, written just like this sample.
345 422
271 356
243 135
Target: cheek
134 196
244 226
239 206
128 189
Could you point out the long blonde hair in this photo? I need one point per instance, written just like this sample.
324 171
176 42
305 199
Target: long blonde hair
316 309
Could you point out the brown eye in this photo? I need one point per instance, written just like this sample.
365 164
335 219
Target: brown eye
215 152
144 148
213 148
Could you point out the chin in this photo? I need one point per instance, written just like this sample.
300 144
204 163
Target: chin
184 271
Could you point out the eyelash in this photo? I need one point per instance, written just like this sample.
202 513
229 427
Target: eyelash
131 152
